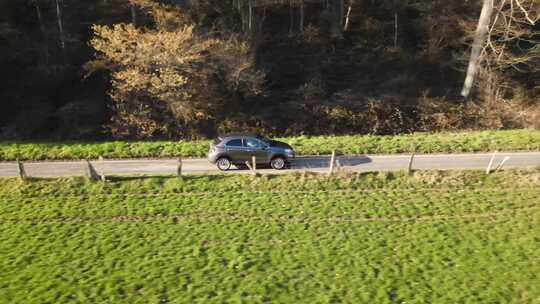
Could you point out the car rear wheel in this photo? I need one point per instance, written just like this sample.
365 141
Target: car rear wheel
223 164
278 163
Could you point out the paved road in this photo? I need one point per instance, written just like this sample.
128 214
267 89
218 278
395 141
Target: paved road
313 164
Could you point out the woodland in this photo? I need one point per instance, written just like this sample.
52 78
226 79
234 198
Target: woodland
189 69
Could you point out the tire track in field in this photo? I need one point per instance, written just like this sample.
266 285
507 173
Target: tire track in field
175 218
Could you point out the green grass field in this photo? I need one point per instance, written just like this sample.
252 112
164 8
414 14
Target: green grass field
526 140
433 237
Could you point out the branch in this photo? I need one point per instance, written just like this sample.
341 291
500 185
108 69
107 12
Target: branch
533 22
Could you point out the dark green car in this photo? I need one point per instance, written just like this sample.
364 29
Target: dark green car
237 149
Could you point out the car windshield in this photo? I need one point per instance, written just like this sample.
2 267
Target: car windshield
264 139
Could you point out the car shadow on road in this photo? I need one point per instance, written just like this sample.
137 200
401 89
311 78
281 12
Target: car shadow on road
321 162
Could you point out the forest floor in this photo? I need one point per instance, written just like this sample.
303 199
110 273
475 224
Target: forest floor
429 237
474 141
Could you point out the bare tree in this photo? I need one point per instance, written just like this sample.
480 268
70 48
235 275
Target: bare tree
502 27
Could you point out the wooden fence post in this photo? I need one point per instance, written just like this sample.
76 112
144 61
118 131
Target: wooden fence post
21 171
254 162
339 168
179 168
91 171
102 162
252 166
332 161
499 167
488 169
249 166
411 160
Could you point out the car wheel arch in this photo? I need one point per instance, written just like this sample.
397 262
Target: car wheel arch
279 155
223 155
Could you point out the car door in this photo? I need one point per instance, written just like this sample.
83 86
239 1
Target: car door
256 148
237 151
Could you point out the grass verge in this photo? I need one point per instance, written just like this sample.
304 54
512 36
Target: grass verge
433 237
510 140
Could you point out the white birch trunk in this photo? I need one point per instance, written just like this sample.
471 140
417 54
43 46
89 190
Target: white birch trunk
478 44
348 17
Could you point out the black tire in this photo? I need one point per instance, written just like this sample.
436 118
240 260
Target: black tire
278 163
223 163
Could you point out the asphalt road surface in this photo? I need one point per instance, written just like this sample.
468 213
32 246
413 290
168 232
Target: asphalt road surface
521 160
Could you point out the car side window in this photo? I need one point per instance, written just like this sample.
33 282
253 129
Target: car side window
254 143
234 143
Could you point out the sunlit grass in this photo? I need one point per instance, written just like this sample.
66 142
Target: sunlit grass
433 237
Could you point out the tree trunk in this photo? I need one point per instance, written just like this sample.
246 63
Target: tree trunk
302 16
60 25
250 20
262 19
341 12
395 29
348 17
43 32
478 44
291 16
133 15
239 5
338 11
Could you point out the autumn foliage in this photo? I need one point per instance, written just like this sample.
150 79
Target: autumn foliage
168 79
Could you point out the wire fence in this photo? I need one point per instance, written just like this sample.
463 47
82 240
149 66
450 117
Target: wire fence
101 170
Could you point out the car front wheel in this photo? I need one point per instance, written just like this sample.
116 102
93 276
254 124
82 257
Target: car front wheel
223 164
278 163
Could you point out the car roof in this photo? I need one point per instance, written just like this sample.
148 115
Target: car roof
225 136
